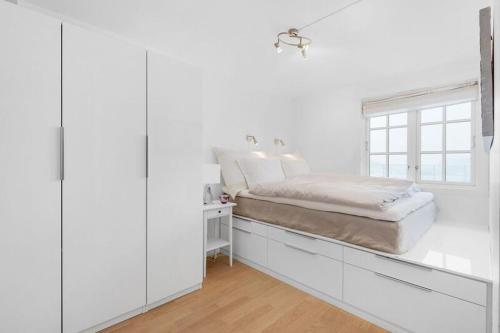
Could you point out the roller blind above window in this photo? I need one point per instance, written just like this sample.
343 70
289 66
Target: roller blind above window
422 98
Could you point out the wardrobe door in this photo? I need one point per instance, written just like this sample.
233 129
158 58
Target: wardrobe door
30 188
175 223
104 188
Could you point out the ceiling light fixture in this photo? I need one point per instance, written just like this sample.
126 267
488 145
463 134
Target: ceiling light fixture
292 37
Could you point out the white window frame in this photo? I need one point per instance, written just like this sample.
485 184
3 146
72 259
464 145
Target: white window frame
444 151
387 153
413 149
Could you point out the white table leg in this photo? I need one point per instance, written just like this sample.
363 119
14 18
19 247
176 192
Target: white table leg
230 239
204 246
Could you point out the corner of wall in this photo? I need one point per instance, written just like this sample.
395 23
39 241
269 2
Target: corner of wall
495 179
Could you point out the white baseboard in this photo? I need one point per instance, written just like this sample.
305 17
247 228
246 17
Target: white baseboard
172 297
338 303
114 321
141 310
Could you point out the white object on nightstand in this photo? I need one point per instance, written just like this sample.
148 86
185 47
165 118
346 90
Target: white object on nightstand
211 176
211 212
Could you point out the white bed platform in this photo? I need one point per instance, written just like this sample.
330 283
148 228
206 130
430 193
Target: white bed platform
441 285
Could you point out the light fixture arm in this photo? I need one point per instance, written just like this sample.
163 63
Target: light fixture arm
293 33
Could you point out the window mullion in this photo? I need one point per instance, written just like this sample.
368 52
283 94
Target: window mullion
411 146
387 147
443 169
418 147
367 148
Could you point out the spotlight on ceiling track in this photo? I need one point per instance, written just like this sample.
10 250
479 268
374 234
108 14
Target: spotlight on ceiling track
278 47
303 50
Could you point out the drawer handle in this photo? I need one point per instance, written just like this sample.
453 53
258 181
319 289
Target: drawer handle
300 235
248 232
220 211
403 282
300 249
404 262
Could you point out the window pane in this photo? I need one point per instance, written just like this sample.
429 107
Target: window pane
431 138
459 111
377 165
431 115
398 119
397 140
458 168
378 121
431 167
378 141
397 166
458 136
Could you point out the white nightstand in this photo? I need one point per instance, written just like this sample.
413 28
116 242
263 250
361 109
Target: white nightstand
212 212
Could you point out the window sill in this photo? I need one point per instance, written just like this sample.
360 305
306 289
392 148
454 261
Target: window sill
457 188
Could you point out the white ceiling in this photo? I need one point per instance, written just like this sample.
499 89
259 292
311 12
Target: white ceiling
372 42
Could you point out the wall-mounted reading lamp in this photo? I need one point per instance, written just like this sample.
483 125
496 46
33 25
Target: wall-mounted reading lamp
279 142
251 139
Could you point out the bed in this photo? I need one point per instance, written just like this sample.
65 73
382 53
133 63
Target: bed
387 236
340 238
380 214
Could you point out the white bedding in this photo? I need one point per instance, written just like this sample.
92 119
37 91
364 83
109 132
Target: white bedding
356 191
394 213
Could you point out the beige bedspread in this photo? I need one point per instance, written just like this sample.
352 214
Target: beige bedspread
356 191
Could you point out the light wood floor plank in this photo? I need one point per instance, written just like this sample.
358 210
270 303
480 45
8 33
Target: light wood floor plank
242 299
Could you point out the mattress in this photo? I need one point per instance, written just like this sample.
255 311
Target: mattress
396 212
387 236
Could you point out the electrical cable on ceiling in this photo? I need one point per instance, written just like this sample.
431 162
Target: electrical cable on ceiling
330 14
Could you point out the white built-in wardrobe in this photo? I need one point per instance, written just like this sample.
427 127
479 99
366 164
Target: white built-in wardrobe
100 182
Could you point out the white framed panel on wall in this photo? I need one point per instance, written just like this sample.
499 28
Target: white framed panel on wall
104 189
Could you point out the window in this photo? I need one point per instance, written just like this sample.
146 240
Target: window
433 145
445 147
388 146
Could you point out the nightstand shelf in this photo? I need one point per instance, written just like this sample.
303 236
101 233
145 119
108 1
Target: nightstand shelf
213 212
216 243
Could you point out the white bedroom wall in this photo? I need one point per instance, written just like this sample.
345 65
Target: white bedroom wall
329 131
331 137
231 111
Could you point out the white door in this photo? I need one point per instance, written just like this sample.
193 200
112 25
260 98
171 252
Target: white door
175 222
104 189
30 188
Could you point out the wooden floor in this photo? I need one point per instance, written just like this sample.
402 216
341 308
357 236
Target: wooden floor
241 299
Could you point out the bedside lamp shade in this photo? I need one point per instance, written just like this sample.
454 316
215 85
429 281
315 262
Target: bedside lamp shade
211 174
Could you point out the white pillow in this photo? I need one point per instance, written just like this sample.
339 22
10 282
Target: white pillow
293 168
234 180
258 171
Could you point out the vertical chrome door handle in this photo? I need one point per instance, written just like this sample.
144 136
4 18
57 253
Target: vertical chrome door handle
61 153
147 156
